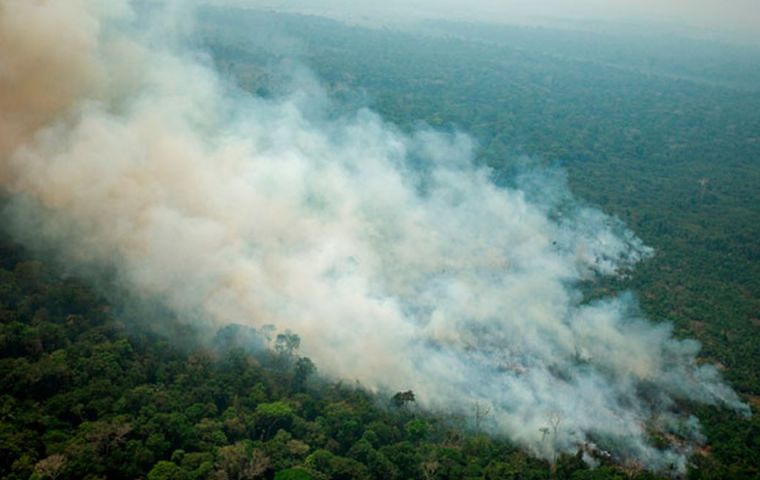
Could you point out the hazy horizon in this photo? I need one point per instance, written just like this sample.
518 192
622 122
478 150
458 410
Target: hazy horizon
734 21
395 255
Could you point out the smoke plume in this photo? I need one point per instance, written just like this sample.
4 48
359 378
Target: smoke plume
399 262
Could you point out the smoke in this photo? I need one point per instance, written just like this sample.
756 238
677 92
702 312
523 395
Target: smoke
399 262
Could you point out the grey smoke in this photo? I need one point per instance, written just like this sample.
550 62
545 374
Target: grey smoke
237 209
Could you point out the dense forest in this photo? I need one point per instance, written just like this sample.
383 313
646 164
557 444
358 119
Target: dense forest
91 390
88 394
673 151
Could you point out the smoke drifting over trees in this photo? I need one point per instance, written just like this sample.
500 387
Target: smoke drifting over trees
396 260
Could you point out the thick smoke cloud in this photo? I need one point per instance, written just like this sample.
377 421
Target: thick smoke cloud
398 261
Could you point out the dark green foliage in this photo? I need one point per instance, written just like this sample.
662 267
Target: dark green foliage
103 402
402 398
659 131
293 474
672 149
164 470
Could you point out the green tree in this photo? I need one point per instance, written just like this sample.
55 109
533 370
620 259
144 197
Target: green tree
164 470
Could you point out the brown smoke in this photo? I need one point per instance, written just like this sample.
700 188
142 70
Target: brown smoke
47 61
130 152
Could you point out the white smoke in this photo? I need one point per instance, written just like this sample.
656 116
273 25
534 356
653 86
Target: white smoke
399 262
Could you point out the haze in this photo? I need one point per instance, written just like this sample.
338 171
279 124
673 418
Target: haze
236 185
733 19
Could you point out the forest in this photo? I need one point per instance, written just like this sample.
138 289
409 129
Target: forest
89 392
664 136
672 152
